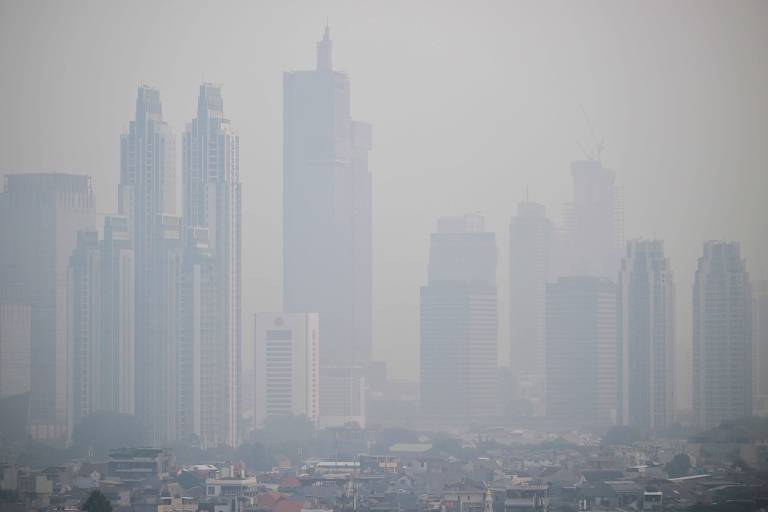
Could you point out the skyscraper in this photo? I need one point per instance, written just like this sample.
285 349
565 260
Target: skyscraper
530 244
722 336
146 192
595 223
118 348
581 350
100 326
40 215
15 353
646 379
200 405
287 365
458 362
327 209
760 349
84 326
211 163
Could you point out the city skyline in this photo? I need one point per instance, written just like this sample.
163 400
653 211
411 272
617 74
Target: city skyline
385 339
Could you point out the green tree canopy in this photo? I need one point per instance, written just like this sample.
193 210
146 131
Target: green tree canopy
679 466
97 502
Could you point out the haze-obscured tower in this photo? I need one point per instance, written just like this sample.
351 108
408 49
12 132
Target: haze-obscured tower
581 350
646 379
722 336
146 197
760 348
40 215
327 210
458 362
84 326
530 244
201 376
594 219
15 349
212 189
118 321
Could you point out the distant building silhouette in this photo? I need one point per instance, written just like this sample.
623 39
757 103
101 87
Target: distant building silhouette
646 379
202 353
581 350
722 336
531 242
15 349
594 221
286 365
85 326
760 348
211 177
147 198
118 320
458 361
40 215
101 322
327 211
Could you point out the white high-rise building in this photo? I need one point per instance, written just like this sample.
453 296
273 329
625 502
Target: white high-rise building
211 171
286 365
722 336
147 198
646 318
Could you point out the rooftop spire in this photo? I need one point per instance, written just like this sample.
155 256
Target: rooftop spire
324 50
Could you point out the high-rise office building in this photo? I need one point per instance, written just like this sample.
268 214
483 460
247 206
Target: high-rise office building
201 385
211 169
84 329
458 363
100 327
146 192
722 336
15 349
760 345
327 209
531 239
40 215
646 316
118 302
595 225
581 350
286 365
162 356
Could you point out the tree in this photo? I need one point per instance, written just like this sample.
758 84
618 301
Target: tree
97 502
679 466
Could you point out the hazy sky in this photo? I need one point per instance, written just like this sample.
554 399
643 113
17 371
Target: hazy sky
470 103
